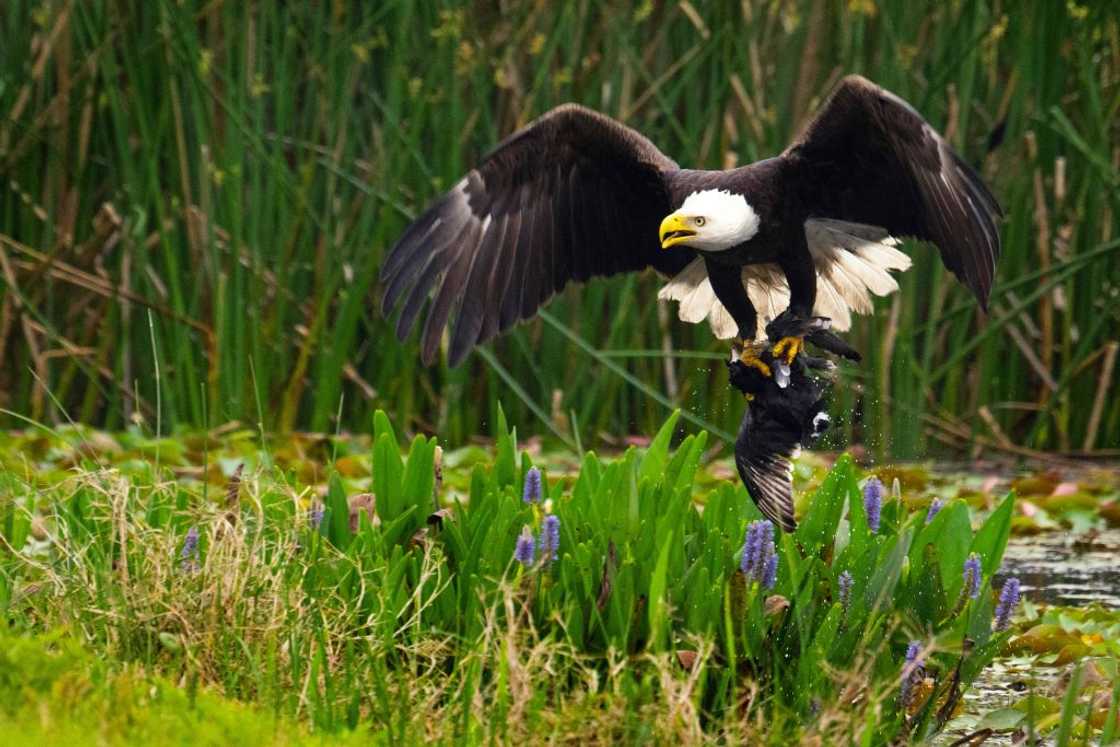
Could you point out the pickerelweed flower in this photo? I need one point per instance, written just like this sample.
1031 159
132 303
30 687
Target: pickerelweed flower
526 547
189 555
549 542
935 507
912 672
749 544
844 585
1008 601
770 570
759 561
873 503
973 576
531 492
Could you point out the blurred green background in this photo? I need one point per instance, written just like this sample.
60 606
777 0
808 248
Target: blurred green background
195 197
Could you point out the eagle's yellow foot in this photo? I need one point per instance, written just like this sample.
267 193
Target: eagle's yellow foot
789 348
747 354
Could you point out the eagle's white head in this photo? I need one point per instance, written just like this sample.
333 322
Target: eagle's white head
712 220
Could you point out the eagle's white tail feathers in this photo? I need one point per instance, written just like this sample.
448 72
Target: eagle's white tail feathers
853 261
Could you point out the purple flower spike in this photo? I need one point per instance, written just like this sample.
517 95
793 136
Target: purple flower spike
973 576
531 492
526 548
873 503
550 538
912 672
759 562
770 571
844 584
1008 601
751 543
189 555
935 507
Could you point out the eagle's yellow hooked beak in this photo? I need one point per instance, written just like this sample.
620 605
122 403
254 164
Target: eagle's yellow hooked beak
675 229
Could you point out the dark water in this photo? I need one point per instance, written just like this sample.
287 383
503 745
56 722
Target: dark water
1061 568
1054 568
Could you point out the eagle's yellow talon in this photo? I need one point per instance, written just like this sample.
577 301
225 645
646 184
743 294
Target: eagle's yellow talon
789 347
747 354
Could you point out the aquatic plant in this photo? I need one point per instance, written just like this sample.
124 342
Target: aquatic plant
549 543
531 490
935 507
911 672
524 550
189 556
1008 601
973 576
844 586
758 560
655 582
873 502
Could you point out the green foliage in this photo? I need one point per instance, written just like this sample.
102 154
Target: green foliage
239 169
334 624
54 692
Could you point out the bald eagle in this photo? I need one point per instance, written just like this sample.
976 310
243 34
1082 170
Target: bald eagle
577 194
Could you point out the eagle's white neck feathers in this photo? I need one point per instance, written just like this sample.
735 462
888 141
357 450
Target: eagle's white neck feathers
729 219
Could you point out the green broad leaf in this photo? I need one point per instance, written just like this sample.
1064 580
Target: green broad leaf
338 513
926 595
980 612
950 534
818 527
382 427
810 670
657 599
1069 707
1109 730
419 475
885 577
505 457
699 610
1038 705
686 475
16 524
656 456
1003 719
388 469
633 504
396 530
991 540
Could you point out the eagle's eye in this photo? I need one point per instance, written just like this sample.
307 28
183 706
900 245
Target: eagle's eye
700 221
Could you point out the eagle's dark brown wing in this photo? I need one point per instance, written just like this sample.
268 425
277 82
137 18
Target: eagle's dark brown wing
868 157
571 196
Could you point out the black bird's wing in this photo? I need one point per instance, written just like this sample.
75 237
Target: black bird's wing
868 157
571 196
763 451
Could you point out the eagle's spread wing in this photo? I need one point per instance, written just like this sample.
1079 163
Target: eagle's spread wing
573 195
868 157
763 451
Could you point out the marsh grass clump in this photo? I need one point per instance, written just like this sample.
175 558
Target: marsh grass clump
645 625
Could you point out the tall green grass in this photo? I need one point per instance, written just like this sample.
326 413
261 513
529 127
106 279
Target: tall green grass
239 170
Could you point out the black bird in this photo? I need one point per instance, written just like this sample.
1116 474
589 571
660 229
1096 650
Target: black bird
785 412
576 194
